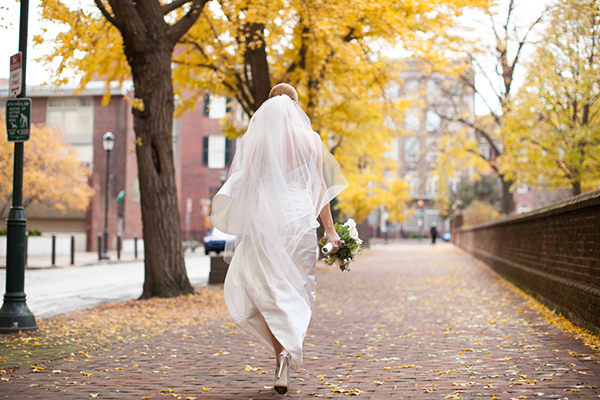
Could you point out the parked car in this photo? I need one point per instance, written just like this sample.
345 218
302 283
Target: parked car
215 241
446 236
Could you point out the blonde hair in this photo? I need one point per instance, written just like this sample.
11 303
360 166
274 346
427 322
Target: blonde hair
284 88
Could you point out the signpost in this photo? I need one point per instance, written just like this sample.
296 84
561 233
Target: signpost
18 119
16 75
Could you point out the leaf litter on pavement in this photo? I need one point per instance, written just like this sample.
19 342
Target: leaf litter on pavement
79 332
441 331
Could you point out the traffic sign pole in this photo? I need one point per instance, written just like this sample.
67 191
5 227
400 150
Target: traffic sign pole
15 316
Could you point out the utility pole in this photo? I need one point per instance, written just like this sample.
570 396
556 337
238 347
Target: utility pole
15 316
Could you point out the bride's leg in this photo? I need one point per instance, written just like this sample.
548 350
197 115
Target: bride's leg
282 370
276 345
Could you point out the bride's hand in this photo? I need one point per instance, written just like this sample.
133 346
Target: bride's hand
334 239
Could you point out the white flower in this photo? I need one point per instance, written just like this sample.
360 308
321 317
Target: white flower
327 248
350 224
353 233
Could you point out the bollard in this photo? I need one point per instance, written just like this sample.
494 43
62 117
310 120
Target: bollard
119 247
135 246
72 249
26 247
53 250
99 246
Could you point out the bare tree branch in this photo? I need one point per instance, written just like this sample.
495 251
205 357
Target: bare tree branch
117 22
175 4
177 30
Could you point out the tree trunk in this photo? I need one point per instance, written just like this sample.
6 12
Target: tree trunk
165 273
576 188
508 201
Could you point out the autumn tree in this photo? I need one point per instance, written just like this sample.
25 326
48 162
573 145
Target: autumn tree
554 139
122 38
495 63
52 174
336 54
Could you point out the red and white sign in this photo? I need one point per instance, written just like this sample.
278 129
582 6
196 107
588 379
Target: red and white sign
16 75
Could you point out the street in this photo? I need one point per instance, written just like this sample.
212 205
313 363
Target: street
55 291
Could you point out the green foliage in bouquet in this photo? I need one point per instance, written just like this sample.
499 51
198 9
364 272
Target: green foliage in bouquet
351 246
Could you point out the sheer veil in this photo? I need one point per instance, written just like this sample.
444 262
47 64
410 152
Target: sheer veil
279 162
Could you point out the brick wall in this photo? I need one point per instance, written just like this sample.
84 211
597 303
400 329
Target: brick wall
552 253
196 180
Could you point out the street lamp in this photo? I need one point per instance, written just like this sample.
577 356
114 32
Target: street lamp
108 142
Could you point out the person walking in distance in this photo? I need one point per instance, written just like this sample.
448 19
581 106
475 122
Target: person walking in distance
282 177
434 233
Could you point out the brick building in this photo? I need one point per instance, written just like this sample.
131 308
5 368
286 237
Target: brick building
197 137
435 99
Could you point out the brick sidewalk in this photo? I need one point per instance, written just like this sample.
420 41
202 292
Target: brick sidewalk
424 323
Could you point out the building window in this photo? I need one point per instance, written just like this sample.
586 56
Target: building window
412 178
524 208
74 116
394 153
411 149
431 185
431 152
412 121
136 190
522 189
454 182
411 87
433 90
217 151
432 121
484 149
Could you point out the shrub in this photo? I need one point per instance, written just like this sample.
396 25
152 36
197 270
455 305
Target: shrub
479 212
31 232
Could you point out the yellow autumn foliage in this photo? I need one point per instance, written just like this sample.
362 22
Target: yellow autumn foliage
336 53
553 133
52 174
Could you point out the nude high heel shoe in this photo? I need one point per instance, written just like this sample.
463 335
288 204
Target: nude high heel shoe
282 374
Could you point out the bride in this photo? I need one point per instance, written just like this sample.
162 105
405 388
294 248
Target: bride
282 177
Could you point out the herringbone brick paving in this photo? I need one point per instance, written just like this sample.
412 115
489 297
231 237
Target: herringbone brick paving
406 322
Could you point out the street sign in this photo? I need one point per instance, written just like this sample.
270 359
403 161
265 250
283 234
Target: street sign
18 119
16 75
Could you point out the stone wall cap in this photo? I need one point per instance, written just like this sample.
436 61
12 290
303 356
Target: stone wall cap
585 200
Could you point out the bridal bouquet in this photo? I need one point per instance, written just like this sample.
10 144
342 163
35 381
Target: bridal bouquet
351 246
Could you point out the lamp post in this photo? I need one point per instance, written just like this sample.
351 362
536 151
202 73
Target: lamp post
108 142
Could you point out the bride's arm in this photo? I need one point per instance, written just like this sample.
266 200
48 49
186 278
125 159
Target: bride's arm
332 235
325 214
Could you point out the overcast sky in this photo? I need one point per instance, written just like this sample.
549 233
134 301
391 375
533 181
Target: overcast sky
37 74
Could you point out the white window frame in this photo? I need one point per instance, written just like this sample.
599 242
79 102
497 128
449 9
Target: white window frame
412 149
216 151
431 185
412 121
430 153
412 178
433 121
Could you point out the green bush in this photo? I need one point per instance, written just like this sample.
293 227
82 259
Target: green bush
31 232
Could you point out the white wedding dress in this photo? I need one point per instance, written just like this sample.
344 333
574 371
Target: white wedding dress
281 177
